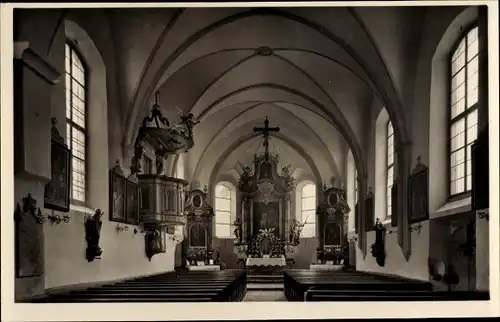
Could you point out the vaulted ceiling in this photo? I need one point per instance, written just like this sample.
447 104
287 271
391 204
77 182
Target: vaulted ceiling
315 72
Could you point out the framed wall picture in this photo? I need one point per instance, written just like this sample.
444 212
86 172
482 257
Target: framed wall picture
57 193
370 213
117 196
418 194
132 203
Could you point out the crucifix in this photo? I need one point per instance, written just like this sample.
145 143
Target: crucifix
266 130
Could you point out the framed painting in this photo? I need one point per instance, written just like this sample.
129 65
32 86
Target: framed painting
132 203
117 195
57 193
370 214
418 196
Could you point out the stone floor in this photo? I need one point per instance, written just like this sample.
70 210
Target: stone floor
264 296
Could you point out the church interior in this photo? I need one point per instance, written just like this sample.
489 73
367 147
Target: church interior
251 154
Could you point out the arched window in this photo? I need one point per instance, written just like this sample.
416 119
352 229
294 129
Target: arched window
463 111
76 121
225 206
390 167
179 168
308 210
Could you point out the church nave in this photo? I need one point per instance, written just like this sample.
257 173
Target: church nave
252 154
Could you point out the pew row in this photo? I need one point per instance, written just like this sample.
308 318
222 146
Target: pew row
208 286
307 285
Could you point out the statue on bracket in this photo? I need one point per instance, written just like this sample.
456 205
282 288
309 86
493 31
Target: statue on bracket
93 227
378 248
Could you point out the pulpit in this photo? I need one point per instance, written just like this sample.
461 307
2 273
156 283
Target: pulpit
197 246
333 221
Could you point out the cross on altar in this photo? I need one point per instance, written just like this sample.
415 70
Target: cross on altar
266 130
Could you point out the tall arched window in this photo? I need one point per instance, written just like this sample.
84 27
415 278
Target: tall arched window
463 111
225 204
390 166
76 121
308 210
179 168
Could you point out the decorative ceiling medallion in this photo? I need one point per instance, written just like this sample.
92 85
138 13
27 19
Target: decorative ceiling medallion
264 51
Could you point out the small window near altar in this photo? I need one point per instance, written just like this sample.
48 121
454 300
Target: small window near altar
225 207
308 210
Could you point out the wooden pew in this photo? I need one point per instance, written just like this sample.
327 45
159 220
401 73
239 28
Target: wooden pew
326 295
220 286
298 282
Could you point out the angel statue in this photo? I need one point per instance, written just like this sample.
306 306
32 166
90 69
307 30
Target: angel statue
285 171
295 232
237 231
188 122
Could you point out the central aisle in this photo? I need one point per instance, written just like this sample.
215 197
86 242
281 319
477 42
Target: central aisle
264 296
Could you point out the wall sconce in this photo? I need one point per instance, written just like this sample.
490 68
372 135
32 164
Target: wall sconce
56 219
120 228
484 215
30 206
417 228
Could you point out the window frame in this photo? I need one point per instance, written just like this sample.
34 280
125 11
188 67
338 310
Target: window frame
73 49
231 210
463 35
314 209
388 167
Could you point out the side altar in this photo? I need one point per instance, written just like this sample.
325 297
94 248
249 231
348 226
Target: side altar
265 234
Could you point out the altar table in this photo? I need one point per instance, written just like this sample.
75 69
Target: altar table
204 268
270 261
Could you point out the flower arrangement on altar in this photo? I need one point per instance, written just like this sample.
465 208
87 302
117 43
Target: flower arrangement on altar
195 254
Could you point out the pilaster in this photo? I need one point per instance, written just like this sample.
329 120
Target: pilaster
404 166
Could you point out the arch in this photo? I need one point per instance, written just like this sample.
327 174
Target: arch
97 123
342 125
439 108
383 172
250 136
225 209
139 101
390 98
305 207
329 157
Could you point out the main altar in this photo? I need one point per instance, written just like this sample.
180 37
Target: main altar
266 237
